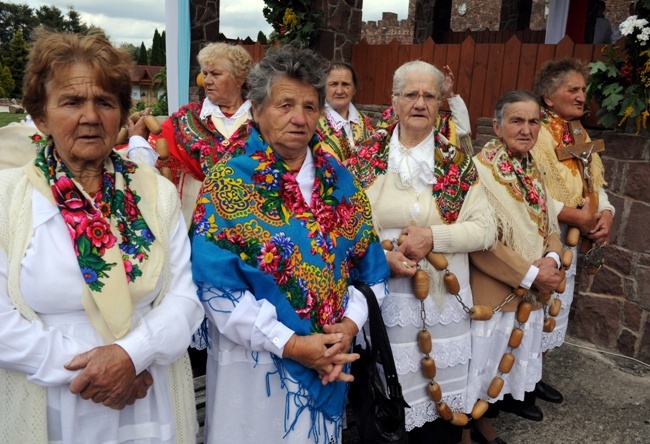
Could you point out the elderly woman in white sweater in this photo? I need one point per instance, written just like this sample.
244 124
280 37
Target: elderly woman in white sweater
421 186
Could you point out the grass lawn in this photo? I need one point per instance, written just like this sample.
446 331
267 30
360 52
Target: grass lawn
6 118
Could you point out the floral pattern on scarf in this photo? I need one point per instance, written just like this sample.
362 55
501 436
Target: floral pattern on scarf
270 227
337 141
454 171
520 177
200 139
88 221
559 129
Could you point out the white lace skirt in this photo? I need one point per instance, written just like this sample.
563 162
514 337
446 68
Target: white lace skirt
555 338
490 342
451 339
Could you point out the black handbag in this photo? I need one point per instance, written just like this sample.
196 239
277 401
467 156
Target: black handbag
377 405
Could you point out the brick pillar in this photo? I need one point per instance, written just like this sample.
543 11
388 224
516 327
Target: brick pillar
423 19
204 29
340 28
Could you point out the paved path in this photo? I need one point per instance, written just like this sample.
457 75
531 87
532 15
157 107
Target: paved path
607 401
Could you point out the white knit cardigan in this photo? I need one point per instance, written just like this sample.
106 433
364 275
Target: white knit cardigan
23 405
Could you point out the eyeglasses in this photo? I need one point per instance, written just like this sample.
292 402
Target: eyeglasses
413 96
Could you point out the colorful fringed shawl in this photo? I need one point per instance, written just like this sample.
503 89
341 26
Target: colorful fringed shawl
198 144
336 140
562 178
112 240
454 171
254 231
516 192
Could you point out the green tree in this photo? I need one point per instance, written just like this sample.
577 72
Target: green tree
157 58
142 55
163 47
12 18
261 38
130 49
73 23
51 17
18 52
7 84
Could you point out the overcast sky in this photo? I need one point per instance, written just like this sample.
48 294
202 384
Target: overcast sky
134 21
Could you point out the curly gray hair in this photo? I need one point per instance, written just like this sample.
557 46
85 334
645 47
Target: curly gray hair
290 61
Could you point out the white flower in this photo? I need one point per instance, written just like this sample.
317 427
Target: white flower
644 36
627 27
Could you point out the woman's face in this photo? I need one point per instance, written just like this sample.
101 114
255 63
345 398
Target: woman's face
221 87
288 119
520 126
340 89
417 105
82 117
568 100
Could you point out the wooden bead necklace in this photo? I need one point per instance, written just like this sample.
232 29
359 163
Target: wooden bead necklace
476 312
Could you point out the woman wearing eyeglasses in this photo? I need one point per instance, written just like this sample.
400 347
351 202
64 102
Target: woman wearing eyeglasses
422 186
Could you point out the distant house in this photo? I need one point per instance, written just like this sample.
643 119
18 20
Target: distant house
143 88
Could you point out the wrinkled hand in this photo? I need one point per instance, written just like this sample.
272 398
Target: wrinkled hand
324 353
601 232
137 390
139 128
447 82
548 277
400 265
588 220
418 243
106 376
348 328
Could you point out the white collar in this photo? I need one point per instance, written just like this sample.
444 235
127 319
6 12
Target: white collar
210 109
414 164
337 121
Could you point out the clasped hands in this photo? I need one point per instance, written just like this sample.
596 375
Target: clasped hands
403 261
327 353
595 226
108 377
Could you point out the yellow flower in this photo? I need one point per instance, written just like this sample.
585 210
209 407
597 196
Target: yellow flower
628 112
290 19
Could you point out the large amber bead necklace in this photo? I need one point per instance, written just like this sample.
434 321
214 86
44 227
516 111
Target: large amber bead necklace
478 313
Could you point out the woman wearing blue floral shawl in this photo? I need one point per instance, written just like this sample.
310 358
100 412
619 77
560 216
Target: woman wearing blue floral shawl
280 233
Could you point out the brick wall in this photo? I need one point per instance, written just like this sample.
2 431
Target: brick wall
387 29
479 15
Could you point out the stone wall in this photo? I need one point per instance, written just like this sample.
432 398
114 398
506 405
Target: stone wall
387 29
341 28
612 308
478 15
204 29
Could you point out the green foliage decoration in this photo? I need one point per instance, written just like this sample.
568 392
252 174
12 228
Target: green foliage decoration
620 82
292 21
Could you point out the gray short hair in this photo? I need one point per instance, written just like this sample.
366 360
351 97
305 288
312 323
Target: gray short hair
510 98
399 78
301 64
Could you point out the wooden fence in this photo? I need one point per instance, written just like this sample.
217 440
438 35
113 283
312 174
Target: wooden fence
483 71
487 36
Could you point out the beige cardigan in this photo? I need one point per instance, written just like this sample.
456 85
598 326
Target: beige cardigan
23 405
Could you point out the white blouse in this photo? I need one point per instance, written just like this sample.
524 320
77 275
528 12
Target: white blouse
51 284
